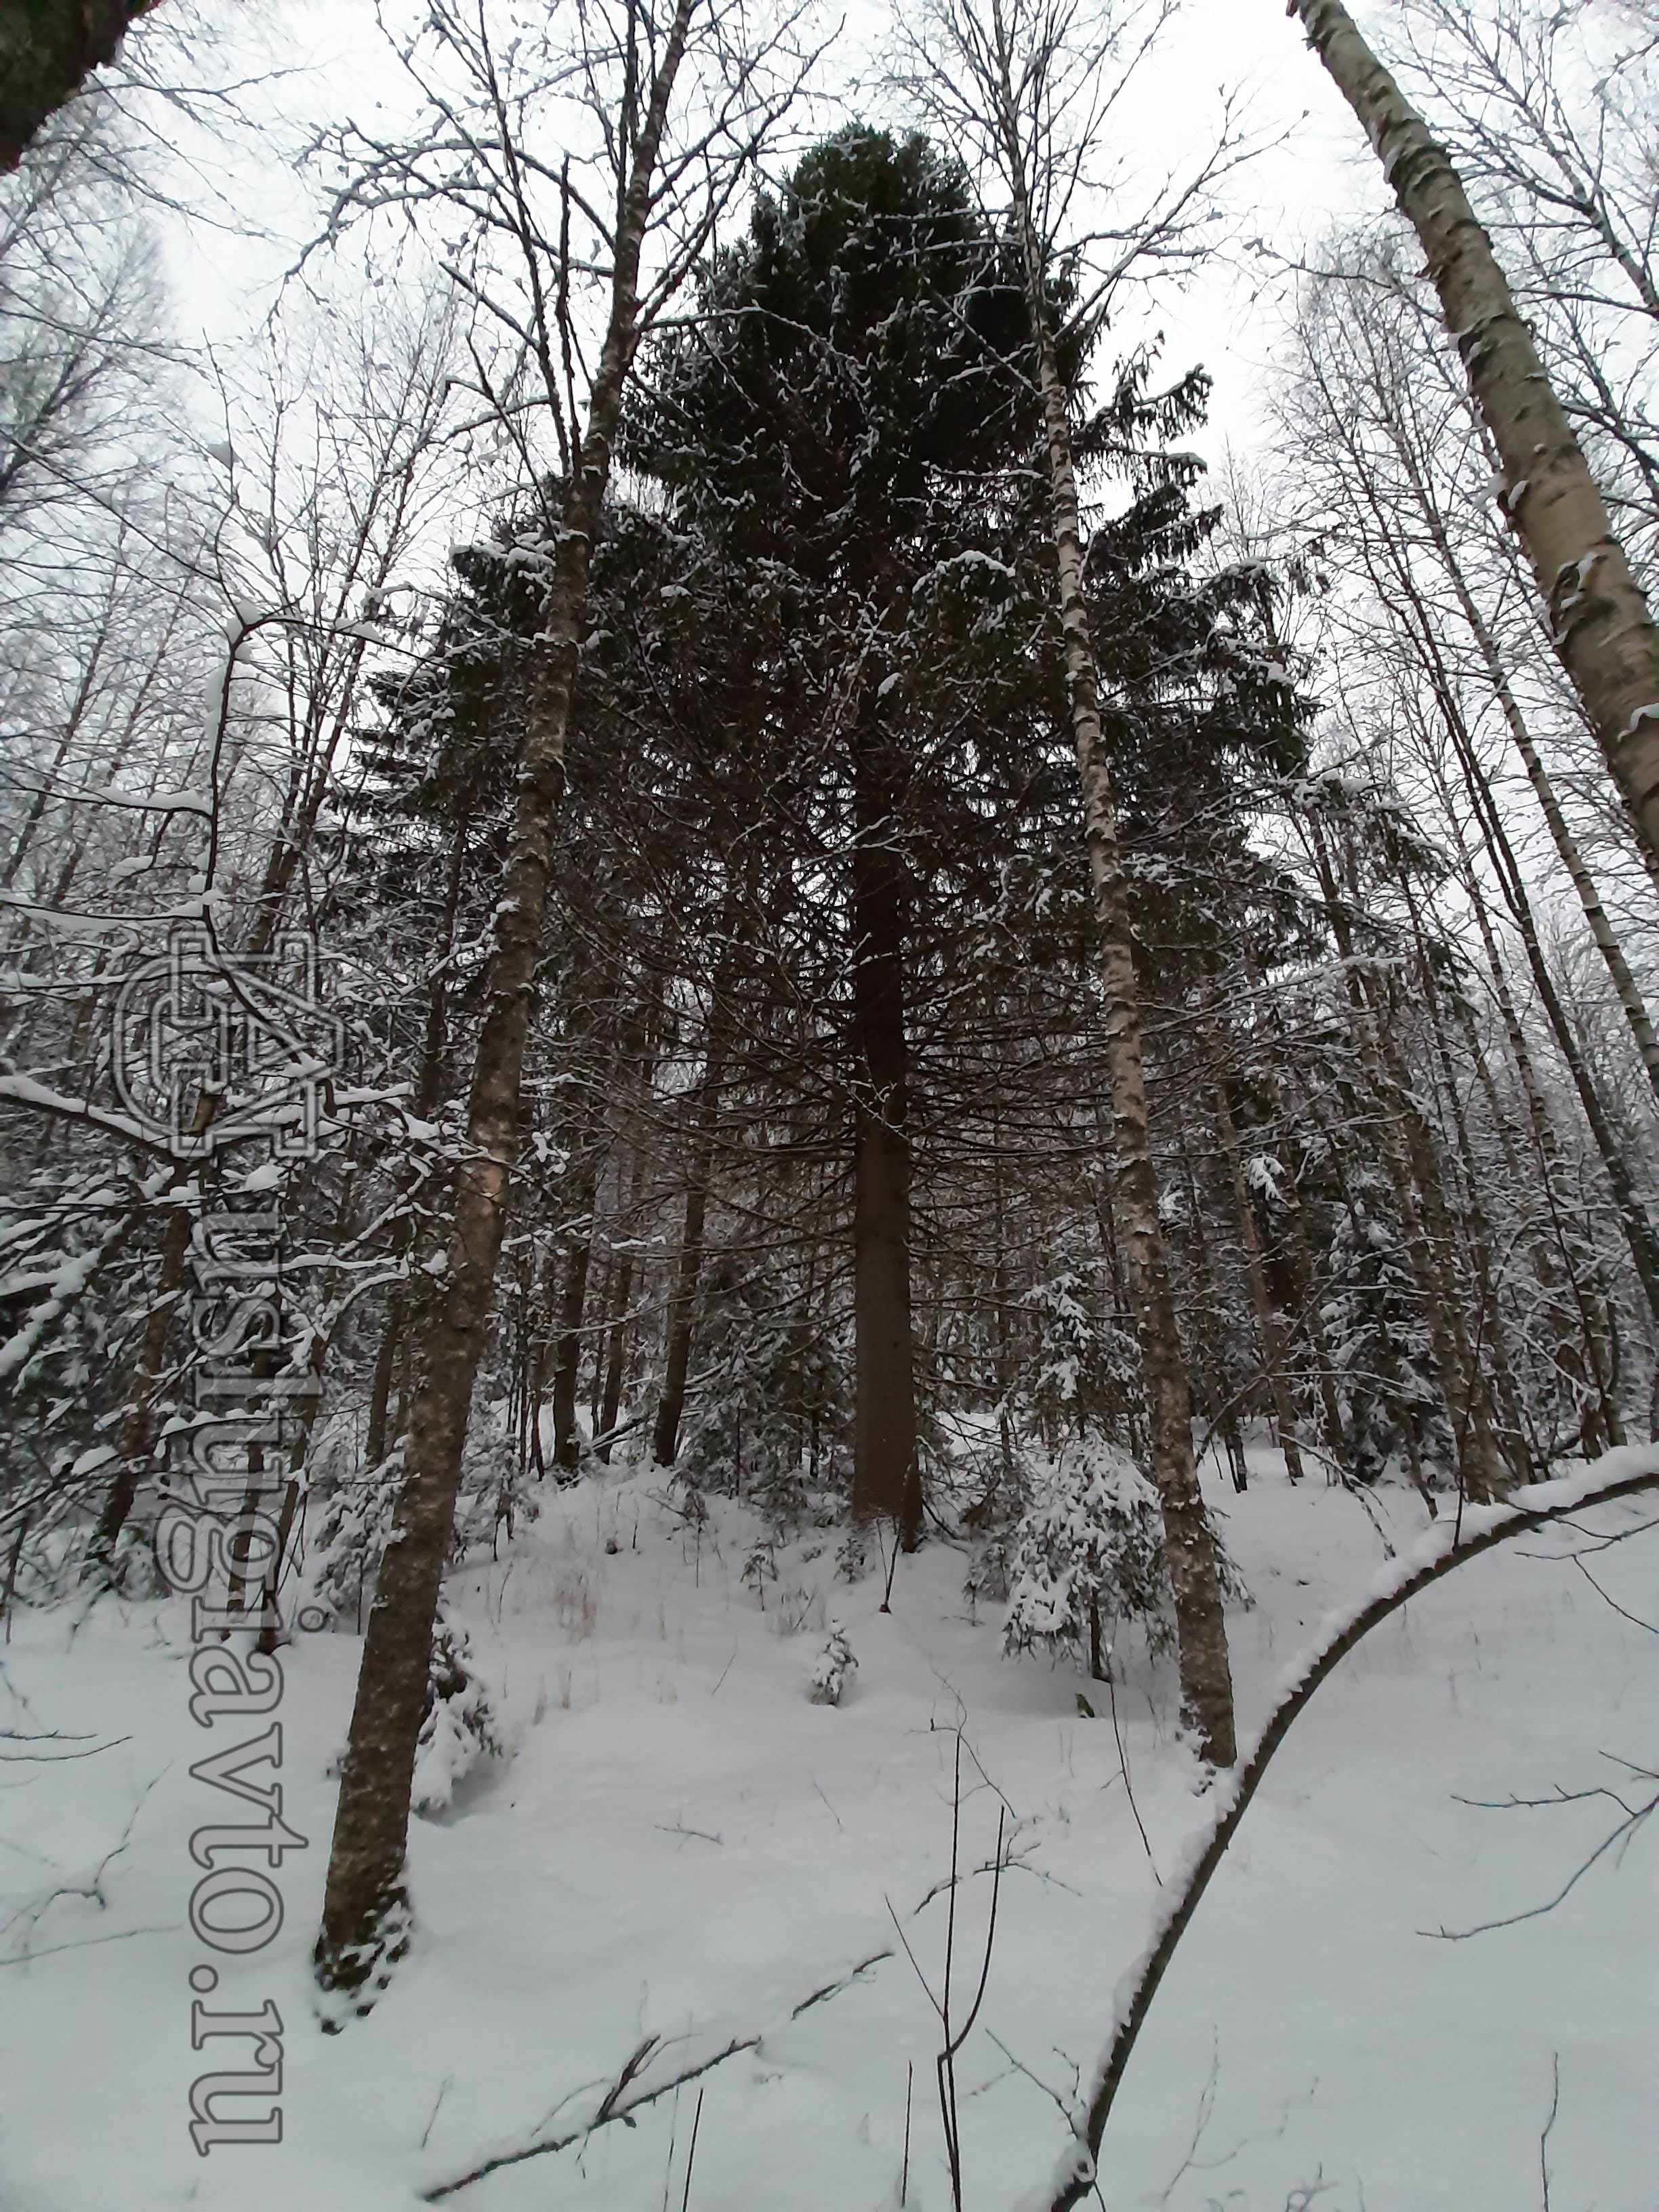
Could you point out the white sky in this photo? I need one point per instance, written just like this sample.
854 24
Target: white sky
1228 317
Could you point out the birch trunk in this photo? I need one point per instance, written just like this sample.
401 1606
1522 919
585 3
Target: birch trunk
1600 623
1625 985
1205 1677
683 1305
365 1912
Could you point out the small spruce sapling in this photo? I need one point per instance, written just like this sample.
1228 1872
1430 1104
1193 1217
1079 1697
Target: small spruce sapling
760 1567
852 1558
1088 1550
833 1665
351 1537
460 1727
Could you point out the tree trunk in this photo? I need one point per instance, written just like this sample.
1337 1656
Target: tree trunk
1512 1439
428 1092
1600 623
48 48
1410 1168
1566 845
616 1342
1266 1321
1640 1234
1580 1361
683 1305
568 1339
365 1910
1205 1677
886 1477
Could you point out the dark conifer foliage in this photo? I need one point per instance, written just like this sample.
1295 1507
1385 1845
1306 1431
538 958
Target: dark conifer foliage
829 1016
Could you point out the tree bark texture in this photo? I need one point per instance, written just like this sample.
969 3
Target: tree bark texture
1600 622
886 1477
48 48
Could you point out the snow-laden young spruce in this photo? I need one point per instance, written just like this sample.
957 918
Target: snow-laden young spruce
835 1664
1088 1553
460 1727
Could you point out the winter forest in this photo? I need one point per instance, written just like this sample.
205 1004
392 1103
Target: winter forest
830 1107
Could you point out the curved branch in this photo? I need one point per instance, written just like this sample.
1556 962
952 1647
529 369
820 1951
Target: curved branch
1619 1474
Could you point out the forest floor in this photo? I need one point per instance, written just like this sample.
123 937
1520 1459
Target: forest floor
681 1844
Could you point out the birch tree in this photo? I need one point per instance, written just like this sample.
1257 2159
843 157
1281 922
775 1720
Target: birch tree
674 107
1601 625
1030 87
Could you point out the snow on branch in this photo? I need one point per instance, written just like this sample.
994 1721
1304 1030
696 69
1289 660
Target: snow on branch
1618 1474
647 2073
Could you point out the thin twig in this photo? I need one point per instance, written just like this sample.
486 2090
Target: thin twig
1123 1768
1544 2140
444 2087
691 2152
1635 1620
904 2168
1627 1826
618 2103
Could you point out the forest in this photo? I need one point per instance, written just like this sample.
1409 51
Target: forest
782 1072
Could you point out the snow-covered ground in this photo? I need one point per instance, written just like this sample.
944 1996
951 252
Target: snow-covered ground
683 1845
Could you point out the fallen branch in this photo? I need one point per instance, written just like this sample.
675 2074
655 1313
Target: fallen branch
1620 1474
627 2095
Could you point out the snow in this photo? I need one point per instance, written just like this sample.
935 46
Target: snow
680 1845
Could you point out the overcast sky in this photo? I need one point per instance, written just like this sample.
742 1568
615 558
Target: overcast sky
1228 317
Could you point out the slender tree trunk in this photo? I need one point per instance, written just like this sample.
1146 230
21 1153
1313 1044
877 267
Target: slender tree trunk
1566 845
365 1910
1476 1234
616 1343
1330 1403
578 1242
1215 1401
1205 1677
683 1304
428 1092
1266 1321
596 1378
1001 1337
886 1477
1410 1165
1581 1361
1600 623
1639 1233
